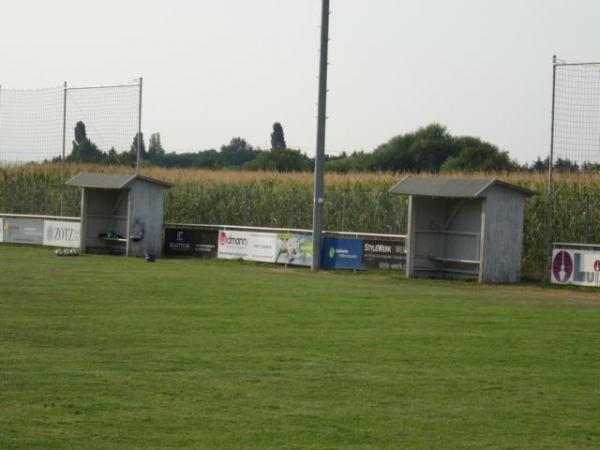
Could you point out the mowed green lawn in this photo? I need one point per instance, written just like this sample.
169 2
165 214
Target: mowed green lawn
101 352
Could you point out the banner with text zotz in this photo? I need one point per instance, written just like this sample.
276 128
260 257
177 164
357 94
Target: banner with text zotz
198 243
58 233
384 254
342 253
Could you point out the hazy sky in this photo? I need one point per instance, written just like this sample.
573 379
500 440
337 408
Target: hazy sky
218 69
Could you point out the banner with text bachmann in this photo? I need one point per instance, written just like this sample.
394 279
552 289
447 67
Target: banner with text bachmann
247 245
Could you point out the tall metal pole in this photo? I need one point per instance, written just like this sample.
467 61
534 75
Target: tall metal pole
550 205
64 143
0 125
320 154
139 133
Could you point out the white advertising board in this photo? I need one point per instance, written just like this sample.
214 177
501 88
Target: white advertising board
61 234
246 245
1 230
575 266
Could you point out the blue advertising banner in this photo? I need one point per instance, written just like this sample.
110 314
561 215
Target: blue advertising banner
342 253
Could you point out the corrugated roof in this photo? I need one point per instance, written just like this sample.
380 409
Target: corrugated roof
109 180
451 187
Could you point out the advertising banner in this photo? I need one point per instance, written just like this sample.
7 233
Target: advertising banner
205 244
384 254
342 253
198 243
577 267
294 249
1 230
233 244
179 242
262 247
61 234
247 245
23 231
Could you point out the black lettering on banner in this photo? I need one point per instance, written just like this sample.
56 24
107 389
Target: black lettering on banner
184 242
384 254
63 234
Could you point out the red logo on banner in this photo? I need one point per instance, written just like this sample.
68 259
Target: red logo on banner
223 238
597 265
562 266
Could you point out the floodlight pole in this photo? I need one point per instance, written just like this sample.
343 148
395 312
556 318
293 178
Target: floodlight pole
550 204
0 125
139 133
320 153
64 144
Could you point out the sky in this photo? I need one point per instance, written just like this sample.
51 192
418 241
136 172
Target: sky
214 70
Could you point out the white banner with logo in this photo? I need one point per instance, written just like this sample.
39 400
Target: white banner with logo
575 266
61 234
247 245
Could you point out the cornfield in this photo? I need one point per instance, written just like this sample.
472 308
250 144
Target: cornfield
354 202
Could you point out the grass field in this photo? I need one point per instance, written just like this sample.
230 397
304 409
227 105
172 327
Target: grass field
100 352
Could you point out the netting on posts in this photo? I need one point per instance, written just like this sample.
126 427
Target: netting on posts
71 124
30 124
110 115
573 204
576 124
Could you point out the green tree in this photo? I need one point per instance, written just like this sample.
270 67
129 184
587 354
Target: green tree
280 160
428 149
424 150
277 137
83 149
130 157
484 157
113 158
565 165
539 165
237 153
156 152
344 163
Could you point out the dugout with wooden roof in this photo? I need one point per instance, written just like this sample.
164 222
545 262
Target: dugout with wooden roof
464 228
121 213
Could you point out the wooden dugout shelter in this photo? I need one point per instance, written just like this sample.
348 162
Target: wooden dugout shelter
464 228
121 213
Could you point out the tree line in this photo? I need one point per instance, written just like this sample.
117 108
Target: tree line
429 149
